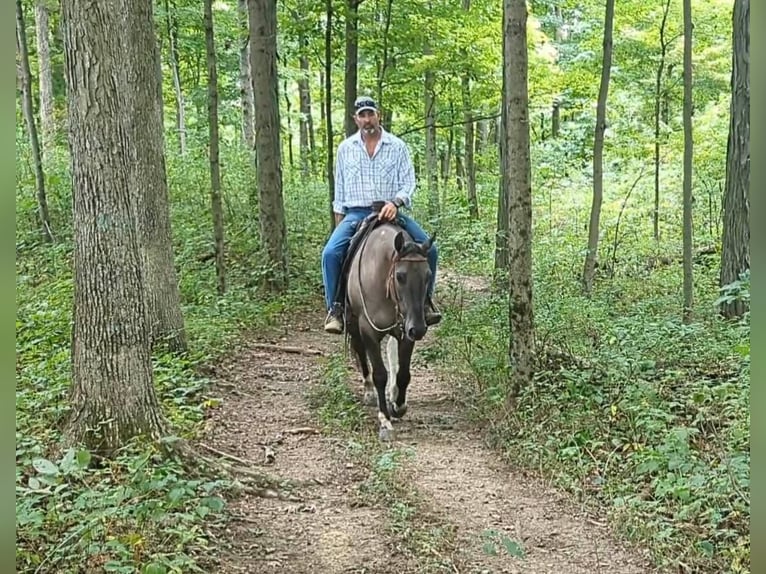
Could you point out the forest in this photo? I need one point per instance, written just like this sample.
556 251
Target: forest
584 404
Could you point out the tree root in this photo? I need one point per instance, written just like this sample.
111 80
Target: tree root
245 479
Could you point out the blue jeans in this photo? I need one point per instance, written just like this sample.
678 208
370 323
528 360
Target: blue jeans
335 249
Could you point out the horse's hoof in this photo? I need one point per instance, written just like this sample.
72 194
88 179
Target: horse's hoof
370 399
397 412
386 435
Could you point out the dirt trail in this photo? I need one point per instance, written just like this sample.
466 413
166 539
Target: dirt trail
492 509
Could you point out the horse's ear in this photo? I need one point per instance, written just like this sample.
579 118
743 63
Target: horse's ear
426 247
399 242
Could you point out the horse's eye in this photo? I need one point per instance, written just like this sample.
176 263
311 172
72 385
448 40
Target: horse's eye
401 277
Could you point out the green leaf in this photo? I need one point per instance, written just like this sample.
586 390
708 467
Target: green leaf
83 458
512 547
45 467
707 547
489 549
114 566
34 484
155 568
214 503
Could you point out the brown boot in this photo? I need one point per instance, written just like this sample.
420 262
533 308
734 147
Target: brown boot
433 316
334 321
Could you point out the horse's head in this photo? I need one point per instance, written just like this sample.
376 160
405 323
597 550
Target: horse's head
410 275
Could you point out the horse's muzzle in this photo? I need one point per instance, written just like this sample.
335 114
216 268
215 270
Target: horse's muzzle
416 331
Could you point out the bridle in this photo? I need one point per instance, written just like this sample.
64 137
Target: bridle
391 291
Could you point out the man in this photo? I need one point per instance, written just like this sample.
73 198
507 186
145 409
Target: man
372 165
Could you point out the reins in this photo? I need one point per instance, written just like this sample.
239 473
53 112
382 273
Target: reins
391 291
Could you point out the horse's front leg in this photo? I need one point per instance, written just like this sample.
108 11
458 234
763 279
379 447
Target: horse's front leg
398 393
357 344
380 378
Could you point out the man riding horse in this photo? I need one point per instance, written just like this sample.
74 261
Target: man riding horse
373 168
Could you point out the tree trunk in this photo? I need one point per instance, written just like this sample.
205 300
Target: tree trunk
175 65
352 50
470 169
215 166
735 258
288 113
503 201
589 270
519 189
688 155
555 120
27 105
47 117
328 111
245 79
384 63
149 179
432 171
263 56
657 105
306 124
112 396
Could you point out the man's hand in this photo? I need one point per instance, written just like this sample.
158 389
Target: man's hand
388 213
338 218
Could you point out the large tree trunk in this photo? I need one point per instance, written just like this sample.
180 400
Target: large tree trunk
589 270
688 155
27 105
215 166
519 182
735 258
352 50
263 61
113 397
328 111
175 65
657 106
245 80
149 179
47 117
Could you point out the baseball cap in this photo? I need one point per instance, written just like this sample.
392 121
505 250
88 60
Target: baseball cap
365 103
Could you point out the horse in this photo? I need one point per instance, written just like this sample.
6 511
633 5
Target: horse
386 286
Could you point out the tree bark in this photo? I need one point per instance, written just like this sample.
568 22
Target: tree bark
112 396
735 258
519 182
657 106
245 79
27 105
688 155
328 111
47 115
175 65
352 51
263 61
468 129
589 270
149 179
432 171
306 124
215 166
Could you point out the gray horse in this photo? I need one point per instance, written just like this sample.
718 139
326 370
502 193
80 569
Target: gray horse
386 291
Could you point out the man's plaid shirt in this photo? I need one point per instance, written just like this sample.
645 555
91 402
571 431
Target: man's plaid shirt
360 179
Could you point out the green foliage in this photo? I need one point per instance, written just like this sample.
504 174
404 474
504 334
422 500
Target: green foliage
630 407
140 512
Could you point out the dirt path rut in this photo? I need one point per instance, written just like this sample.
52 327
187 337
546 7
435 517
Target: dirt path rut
500 521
